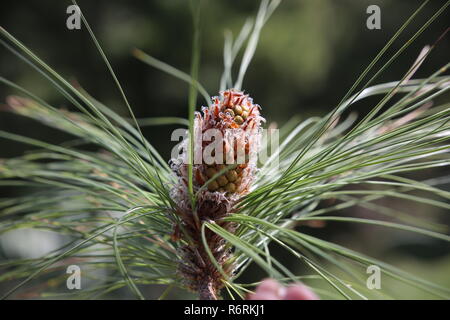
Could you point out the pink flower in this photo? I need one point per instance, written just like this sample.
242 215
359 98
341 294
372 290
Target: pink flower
270 289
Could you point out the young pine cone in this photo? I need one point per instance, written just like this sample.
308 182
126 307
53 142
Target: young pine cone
226 141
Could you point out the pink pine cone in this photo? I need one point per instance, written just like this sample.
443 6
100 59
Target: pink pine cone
270 289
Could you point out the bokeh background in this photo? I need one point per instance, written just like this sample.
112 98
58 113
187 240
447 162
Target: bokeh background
310 53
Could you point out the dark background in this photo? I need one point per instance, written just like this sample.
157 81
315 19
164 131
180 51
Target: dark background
309 55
